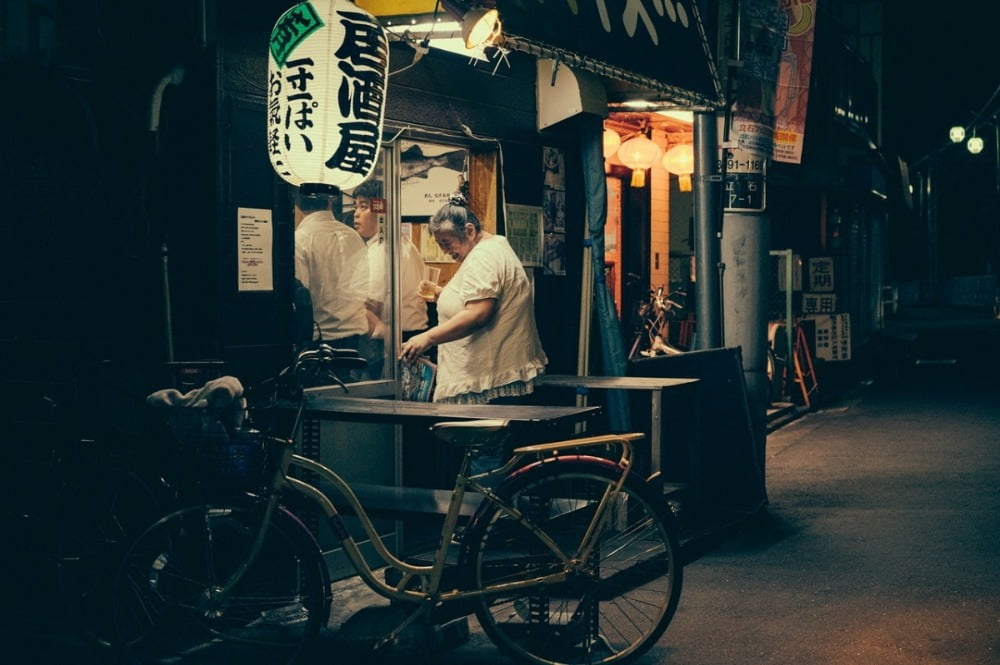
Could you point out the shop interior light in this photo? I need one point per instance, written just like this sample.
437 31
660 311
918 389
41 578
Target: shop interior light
956 134
481 27
639 153
612 141
679 160
974 144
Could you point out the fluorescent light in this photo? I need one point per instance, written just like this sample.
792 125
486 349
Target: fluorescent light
683 116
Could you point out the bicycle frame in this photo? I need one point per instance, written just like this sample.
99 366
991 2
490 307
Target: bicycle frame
432 594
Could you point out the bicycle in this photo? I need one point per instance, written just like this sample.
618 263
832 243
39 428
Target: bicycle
75 499
652 318
572 558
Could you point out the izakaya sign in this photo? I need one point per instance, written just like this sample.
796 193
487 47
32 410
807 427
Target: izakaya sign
327 76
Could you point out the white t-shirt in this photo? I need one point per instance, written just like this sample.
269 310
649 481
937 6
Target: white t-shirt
414 308
330 261
502 358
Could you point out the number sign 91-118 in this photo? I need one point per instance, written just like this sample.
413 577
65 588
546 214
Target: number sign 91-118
744 181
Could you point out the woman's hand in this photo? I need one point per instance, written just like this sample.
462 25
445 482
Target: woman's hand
414 347
475 315
428 290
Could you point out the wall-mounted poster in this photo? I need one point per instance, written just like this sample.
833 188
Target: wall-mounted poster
553 168
256 245
833 336
430 174
553 211
524 233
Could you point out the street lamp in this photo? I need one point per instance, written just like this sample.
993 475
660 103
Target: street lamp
974 144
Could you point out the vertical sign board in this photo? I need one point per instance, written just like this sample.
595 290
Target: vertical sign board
744 168
750 133
833 336
328 68
744 181
796 272
819 303
821 274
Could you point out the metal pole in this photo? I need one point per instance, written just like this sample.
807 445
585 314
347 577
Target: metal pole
707 211
932 221
168 322
996 153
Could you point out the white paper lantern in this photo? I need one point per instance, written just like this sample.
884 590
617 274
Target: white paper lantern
639 153
679 160
612 141
328 71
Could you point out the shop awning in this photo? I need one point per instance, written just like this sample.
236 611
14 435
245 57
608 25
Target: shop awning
657 56
650 51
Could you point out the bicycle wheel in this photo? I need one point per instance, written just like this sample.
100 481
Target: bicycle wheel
102 517
610 611
167 600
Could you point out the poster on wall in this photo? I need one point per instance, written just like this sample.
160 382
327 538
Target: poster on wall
833 336
256 239
430 174
553 168
553 211
524 233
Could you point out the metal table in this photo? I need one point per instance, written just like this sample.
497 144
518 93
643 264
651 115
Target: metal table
655 386
322 406
368 409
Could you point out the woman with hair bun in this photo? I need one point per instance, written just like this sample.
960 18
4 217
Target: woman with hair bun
488 345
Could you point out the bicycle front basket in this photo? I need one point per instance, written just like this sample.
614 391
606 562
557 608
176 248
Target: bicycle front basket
217 453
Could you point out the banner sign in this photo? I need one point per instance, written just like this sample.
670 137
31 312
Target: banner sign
792 93
762 42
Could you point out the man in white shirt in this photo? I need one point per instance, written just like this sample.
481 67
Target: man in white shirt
369 221
331 262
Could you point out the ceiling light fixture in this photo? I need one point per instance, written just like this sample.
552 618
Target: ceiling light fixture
481 27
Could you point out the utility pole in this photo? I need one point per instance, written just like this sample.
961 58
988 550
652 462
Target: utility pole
707 222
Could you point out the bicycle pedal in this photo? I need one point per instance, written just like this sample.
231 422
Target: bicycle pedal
373 630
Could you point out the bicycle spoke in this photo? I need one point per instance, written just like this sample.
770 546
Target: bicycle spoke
612 607
169 602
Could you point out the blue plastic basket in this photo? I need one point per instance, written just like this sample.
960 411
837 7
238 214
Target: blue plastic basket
217 451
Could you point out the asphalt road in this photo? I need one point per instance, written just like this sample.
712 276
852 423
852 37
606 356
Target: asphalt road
880 544
881 541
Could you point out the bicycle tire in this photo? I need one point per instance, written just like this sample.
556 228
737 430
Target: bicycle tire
100 520
165 602
612 613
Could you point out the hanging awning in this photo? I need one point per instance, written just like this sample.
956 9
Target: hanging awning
656 52
640 51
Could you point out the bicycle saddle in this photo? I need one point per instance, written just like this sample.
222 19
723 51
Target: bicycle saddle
472 432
